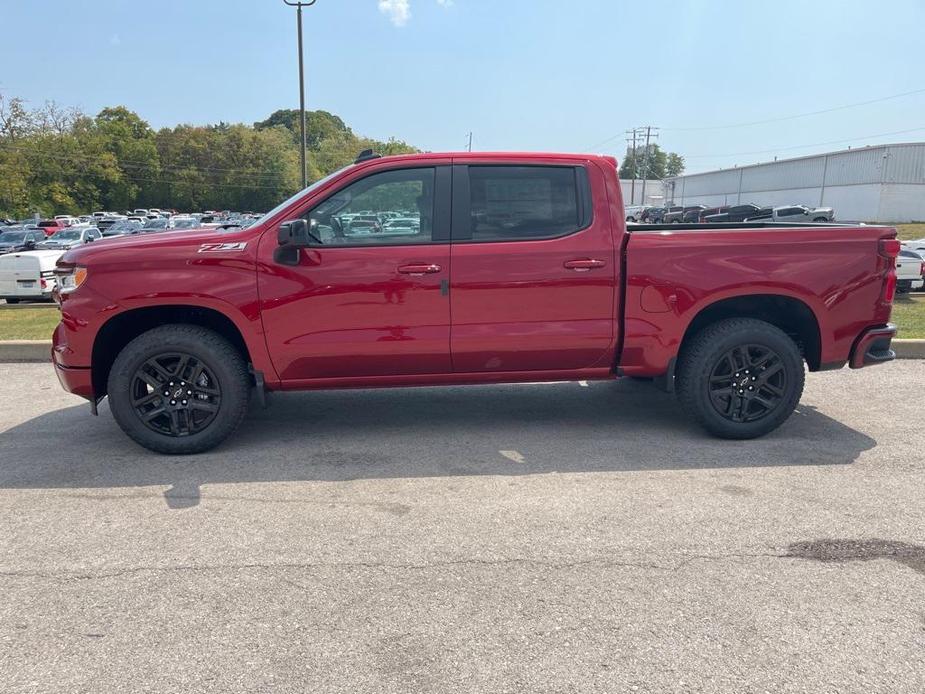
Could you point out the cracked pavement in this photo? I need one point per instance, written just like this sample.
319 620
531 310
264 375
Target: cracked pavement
548 538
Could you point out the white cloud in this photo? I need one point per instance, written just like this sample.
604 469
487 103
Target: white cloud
114 40
398 11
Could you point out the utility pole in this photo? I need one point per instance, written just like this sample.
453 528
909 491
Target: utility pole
649 134
469 145
298 15
631 147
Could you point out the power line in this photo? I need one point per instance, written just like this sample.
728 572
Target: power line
778 119
800 115
814 144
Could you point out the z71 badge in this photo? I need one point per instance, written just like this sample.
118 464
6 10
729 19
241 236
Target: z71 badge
219 247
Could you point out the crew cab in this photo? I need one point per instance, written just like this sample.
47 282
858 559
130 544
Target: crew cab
520 268
800 213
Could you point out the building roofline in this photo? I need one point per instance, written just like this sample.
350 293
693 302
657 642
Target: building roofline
805 156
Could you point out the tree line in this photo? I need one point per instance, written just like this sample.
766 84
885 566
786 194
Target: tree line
57 160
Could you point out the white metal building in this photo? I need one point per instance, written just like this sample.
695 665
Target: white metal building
884 183
640 192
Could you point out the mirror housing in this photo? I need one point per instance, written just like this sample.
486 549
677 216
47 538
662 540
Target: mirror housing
30 244
293 233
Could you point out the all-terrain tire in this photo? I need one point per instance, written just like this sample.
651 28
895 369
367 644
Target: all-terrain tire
701 374
224 363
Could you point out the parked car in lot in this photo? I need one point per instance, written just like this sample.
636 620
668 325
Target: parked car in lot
122 228
52 226
14 239
910 271
917 245
634 213
691 215
725 317
738 213
673 215
108 221
70 237
709 211
27 276
653 215
67 219
802 213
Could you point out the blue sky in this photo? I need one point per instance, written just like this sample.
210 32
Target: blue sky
521 74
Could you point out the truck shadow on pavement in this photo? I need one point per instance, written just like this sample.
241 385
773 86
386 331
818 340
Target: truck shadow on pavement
417 432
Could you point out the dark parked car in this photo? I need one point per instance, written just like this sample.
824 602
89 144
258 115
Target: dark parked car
653 215
710 211
122 228
739 213
691 214
673 215
19 239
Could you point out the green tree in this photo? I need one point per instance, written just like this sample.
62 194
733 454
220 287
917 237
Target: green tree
657 165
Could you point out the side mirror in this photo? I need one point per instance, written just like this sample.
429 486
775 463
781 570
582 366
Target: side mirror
89 239
30 244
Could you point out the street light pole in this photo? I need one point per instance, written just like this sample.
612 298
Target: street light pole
298 19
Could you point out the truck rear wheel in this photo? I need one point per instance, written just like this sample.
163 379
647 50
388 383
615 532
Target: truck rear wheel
179 389
740 378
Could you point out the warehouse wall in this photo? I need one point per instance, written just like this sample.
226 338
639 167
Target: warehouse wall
884 183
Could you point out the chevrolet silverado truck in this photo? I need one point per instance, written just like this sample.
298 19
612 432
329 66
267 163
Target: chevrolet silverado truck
520 267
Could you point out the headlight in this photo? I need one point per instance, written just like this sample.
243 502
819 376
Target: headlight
70 279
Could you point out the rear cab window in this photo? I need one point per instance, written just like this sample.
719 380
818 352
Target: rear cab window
520 203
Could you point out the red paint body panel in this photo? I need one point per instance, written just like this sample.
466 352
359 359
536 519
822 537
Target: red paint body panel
835 271
516 306
515 311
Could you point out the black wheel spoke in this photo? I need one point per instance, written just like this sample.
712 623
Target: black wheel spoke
747 382
175 394
147 399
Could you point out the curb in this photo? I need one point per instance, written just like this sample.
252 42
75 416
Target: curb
13 351
25 350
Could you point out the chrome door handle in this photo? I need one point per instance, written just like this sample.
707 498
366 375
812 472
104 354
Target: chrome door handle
583 264
419 270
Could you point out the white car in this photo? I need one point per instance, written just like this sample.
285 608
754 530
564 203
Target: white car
918 246
74 235
633 213
28 276
910 270
67 219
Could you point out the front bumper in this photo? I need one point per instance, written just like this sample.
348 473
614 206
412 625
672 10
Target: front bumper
76 380
873 347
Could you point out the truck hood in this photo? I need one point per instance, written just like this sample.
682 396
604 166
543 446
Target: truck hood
148 243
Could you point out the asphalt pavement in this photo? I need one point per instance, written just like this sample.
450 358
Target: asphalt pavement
528 538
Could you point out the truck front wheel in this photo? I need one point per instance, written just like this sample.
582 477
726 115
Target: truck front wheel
179 389
740 378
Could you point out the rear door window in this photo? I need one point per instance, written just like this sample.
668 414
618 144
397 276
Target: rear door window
524 203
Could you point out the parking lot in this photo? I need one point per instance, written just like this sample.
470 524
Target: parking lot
549 537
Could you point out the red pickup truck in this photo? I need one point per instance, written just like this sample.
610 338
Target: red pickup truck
485 268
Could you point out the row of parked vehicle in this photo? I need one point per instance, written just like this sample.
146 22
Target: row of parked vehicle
29 249
910 267
701 214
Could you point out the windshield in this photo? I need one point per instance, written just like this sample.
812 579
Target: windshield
301 194
12 236
185 224
66 236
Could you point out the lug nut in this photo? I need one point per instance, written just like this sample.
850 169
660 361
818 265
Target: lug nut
174 402
189 392
751 388
741 392
171 383
184 402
